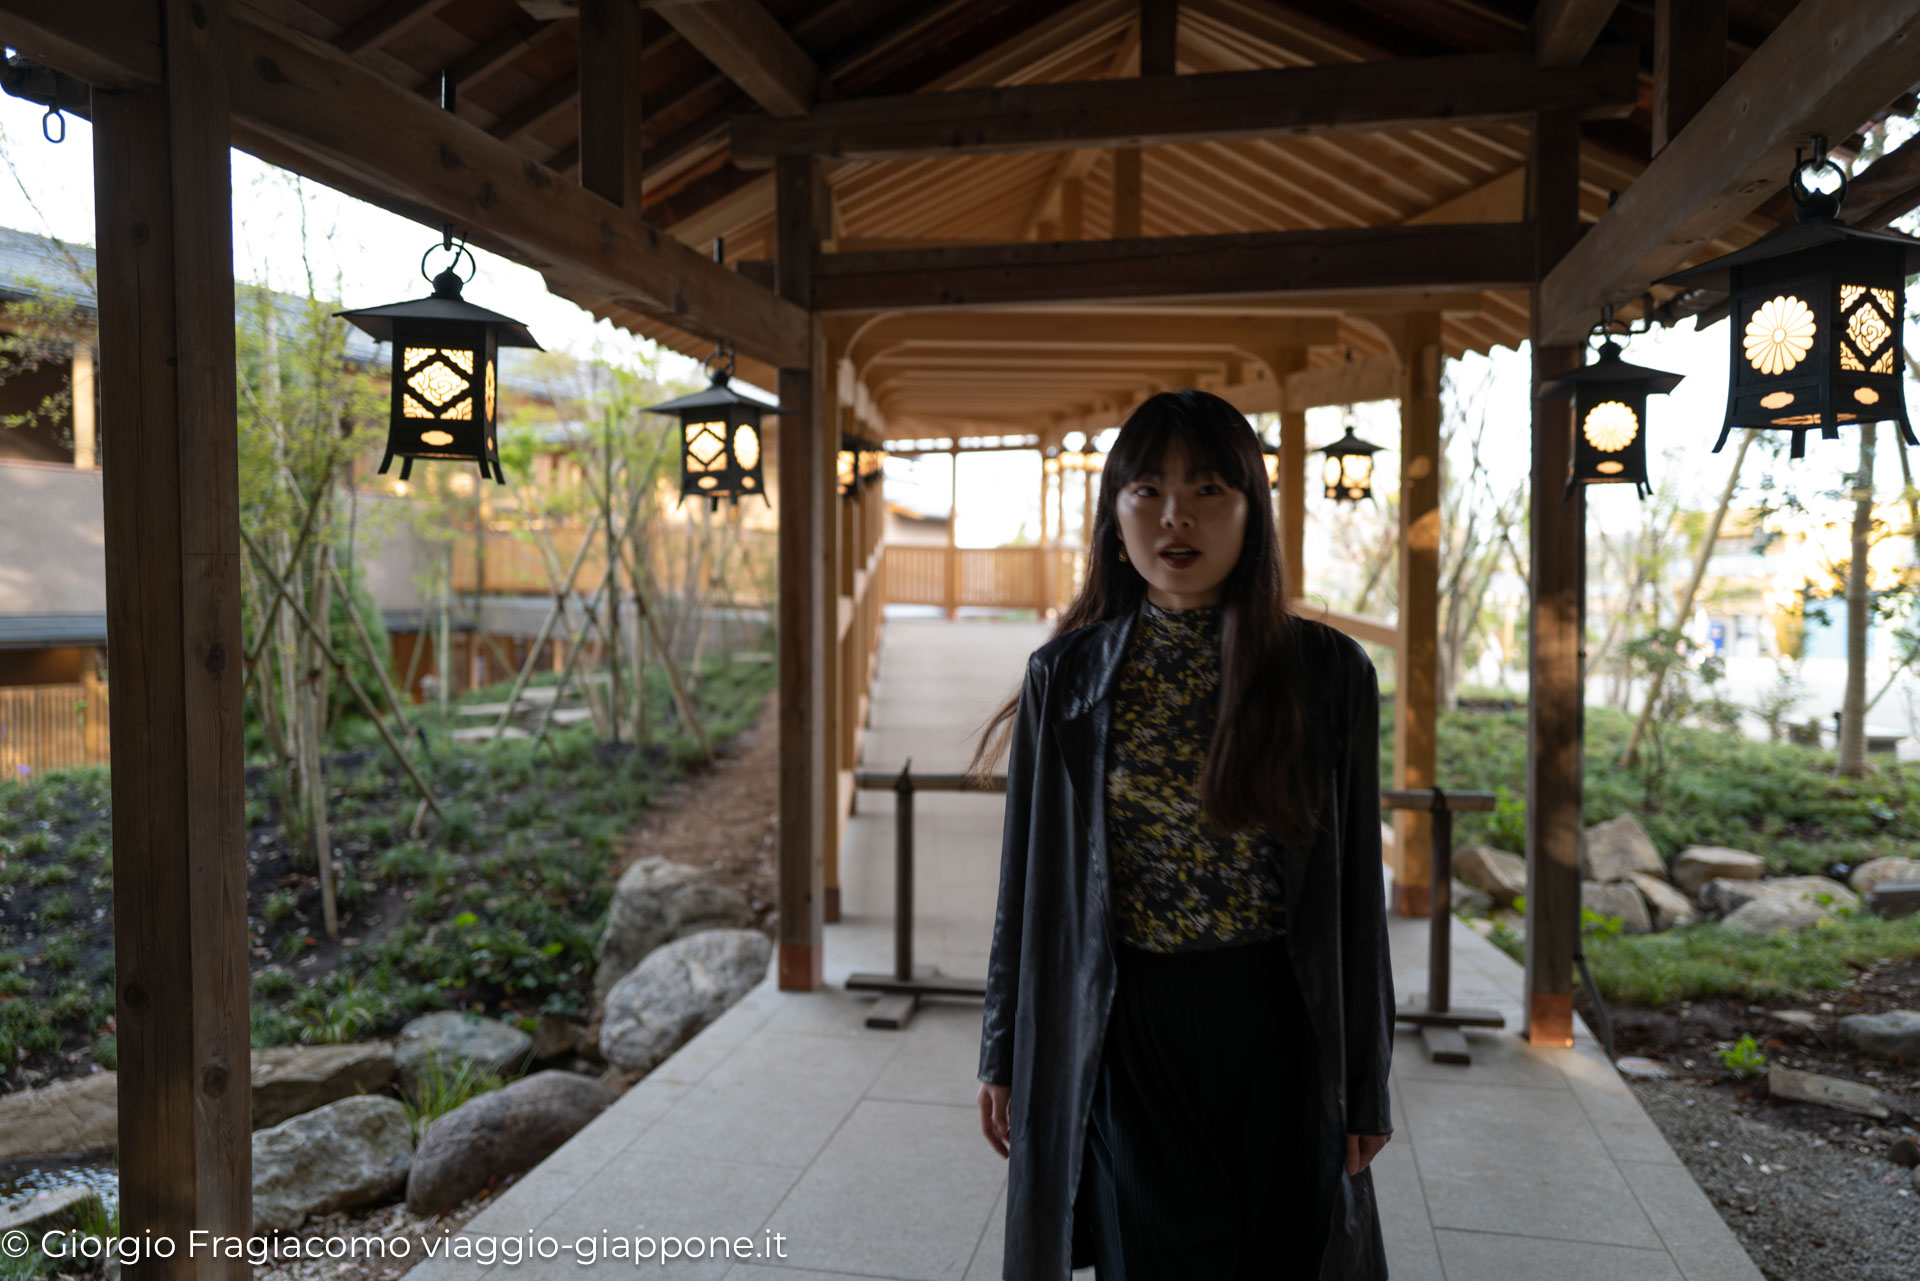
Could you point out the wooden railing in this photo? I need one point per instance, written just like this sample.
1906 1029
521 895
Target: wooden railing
45 727
510 562
1034 578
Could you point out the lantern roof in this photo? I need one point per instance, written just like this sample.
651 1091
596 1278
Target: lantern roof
720 393
1349 444
1610 368
1795 237
446 305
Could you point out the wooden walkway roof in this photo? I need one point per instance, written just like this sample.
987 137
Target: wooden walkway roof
519 75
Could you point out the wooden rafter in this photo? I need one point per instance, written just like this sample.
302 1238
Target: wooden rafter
1738 150
1479 256
750 48
1350 97
538 107
1564 30
387 21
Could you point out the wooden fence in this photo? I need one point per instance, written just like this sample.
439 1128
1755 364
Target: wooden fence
45 727
1036 578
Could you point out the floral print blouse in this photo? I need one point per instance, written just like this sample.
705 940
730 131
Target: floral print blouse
1175 886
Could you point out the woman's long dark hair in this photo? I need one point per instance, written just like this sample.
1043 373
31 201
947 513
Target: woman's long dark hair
1254 775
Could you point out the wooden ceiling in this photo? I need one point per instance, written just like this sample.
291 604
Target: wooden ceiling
516 67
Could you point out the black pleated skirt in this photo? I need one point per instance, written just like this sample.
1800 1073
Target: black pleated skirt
1199 1156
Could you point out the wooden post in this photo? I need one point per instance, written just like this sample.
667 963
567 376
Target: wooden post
610 115
85 449
826 420
1291 493
953 536
1417 674
163 224
1555 619
804 584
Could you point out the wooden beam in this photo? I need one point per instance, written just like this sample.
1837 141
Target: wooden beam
1737 151
1478 256
1350 382
1456 92
1689 62
1555 620
163 223
610 109
1159 36
749 47
1056 331
491 54
1501 200
1565 30
388 22
537 108
805 624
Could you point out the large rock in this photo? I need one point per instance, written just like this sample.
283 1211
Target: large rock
81 1115
351 1152
1500 874
1774 915
1616 849
291 1079
1618 898
1695 865
656 901
1892 1035
1884 871
457 1037
1890 899
56 1210
1723 896
1669 906
506 1131
676 991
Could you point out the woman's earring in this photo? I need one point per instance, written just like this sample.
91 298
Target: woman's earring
1123 553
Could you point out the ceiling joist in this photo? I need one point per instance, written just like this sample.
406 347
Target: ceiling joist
1474 89
1353 260
749 47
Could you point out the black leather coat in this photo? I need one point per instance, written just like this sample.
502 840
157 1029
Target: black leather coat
1051 973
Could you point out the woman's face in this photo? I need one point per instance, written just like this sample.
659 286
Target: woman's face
1183 530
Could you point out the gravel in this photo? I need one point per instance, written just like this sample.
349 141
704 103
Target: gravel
1812 1196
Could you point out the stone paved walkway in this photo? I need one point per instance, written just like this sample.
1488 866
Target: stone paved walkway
862 1148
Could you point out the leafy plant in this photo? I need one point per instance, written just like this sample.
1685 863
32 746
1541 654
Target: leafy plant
1744 1057
440 1086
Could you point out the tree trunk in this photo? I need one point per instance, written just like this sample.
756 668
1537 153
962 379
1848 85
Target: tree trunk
1853 706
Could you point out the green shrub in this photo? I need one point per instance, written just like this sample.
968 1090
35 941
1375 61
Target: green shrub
440 1086
1710 960
58 907
1743 1058
280 905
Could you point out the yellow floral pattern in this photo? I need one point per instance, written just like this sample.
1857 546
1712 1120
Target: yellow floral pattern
1175 886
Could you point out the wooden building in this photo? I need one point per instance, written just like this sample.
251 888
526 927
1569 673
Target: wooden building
941 217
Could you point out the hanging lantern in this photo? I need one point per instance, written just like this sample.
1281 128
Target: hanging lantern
847 465
1348 473
1816 313
444 370
1609 417
872 461
719 440
1271 455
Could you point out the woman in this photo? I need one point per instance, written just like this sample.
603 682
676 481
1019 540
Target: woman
1189 1008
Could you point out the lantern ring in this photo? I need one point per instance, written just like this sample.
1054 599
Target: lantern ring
1802 193
459 251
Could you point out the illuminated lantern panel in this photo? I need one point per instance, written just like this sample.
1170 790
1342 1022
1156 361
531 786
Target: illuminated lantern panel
445 384
720 454
1609 419
1347 474
1815 312
1271 455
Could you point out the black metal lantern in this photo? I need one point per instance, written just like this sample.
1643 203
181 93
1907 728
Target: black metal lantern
871 461
445 379
1348 472
1609 417
1816 311
720 455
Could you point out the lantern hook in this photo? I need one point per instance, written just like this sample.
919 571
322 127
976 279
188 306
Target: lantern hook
458 250
1808 202
719 366
53 126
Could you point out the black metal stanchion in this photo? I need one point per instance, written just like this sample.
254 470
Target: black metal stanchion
1438 1021
901 991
